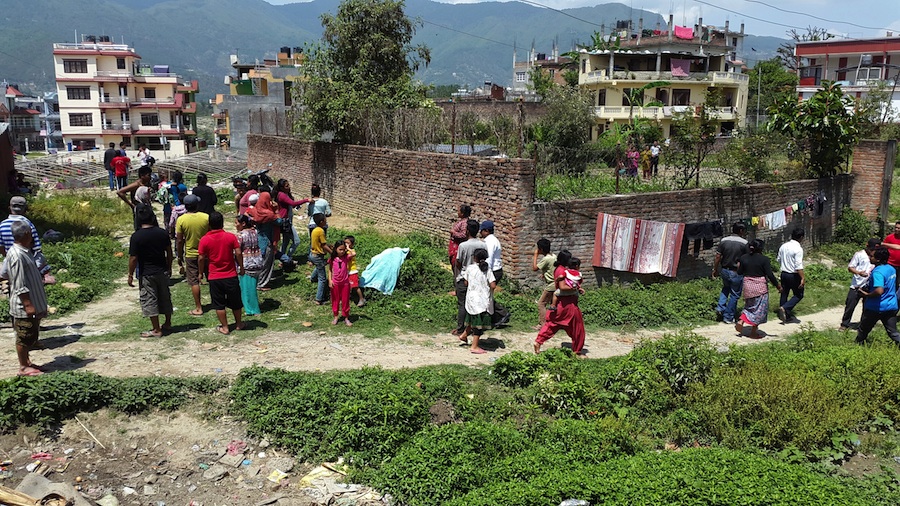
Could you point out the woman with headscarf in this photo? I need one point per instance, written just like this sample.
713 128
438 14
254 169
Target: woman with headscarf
264 215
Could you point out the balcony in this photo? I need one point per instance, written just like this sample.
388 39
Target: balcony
602 76
117 128
120 76
659 113
114 102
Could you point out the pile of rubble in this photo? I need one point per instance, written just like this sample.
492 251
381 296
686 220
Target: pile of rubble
217 473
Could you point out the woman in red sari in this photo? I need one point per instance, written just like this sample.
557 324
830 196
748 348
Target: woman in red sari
567 315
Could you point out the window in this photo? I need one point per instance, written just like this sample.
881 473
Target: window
149 92
120 63
583 66
149 119
288 101
681 97
662 96
601 98
734 41
869 74
626 93
520 77
81 119
78 92
75 66
842 64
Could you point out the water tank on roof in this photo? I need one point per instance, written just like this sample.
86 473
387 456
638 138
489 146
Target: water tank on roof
865 59
90 38
298 50
542 56
160 69
286 50
104 38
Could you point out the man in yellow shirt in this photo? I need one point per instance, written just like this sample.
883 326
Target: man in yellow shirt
318 248
189 229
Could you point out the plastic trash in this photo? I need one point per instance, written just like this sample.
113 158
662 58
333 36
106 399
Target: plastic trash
574 502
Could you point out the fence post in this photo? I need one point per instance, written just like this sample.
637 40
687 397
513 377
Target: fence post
521 122
453 128
276 122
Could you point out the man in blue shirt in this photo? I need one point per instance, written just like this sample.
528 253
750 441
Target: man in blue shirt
880 298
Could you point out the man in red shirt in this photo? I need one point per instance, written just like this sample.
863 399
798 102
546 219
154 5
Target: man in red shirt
892 243
220 252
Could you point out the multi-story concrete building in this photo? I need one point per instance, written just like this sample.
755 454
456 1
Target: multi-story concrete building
522 84
692 61
258 99
33 121
859 65
107 95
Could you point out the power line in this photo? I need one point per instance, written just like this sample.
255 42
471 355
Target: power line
750 17
814 17
536 4
466 33
21 60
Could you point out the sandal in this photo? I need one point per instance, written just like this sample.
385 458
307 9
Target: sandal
478 351
222 330
193 312
29 371
150 333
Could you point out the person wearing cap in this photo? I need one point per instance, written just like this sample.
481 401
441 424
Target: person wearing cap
189 229
130 195
860 267
208 198
27 299
495 263
18 206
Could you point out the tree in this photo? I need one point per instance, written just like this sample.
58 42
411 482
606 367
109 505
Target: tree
636 96
693 137
362 69
564 133
541 81
786 49
778 84
824 126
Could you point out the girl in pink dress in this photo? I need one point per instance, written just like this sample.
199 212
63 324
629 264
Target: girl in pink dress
338 270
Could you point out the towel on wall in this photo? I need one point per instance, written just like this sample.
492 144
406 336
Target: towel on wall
635 245
776 219
680 68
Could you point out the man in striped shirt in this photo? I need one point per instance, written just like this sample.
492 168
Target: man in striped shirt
27 299
17 208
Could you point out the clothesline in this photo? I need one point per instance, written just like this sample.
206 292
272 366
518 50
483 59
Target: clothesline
647 246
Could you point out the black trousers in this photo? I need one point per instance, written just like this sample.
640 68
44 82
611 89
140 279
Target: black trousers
870 318
461 290
500 311
850 304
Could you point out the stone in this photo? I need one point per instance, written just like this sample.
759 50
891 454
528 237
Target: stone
215 472
151 489
108 500
39 487
232 460
285 464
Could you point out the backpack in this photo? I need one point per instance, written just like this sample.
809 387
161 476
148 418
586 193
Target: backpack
151 161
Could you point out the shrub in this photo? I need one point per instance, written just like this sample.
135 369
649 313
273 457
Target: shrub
366 414
698 476
853 227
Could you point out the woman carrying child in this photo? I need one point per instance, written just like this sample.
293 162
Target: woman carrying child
567 315
480 285
253 263
338 270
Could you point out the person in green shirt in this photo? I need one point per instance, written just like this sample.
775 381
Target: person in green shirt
545 265
189 229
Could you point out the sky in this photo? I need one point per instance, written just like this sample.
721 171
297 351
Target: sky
843 18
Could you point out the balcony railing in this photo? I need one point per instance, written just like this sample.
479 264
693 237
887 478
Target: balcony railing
116 74
658 113
597 76
154 101
116 127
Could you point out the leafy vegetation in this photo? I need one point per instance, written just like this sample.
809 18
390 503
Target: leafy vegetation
47 400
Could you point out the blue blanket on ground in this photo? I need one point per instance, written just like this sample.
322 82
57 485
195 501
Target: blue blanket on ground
382 271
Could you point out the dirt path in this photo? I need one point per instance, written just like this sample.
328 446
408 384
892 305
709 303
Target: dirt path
180 355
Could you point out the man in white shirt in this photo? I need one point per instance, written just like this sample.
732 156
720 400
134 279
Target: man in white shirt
654 158
860 266
790 257
495 264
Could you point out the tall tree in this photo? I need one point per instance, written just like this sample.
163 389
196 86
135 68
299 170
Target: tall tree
777 84
786 49
363 68
824 126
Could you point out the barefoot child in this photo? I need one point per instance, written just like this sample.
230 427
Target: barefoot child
569 283
480 284
339 281
253 263
350 241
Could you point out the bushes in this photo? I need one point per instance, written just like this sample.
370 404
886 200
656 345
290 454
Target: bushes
853 227
51 398
700 477
366 414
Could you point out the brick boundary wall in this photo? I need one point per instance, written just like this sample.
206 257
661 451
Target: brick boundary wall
407 190
403 191
873 170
